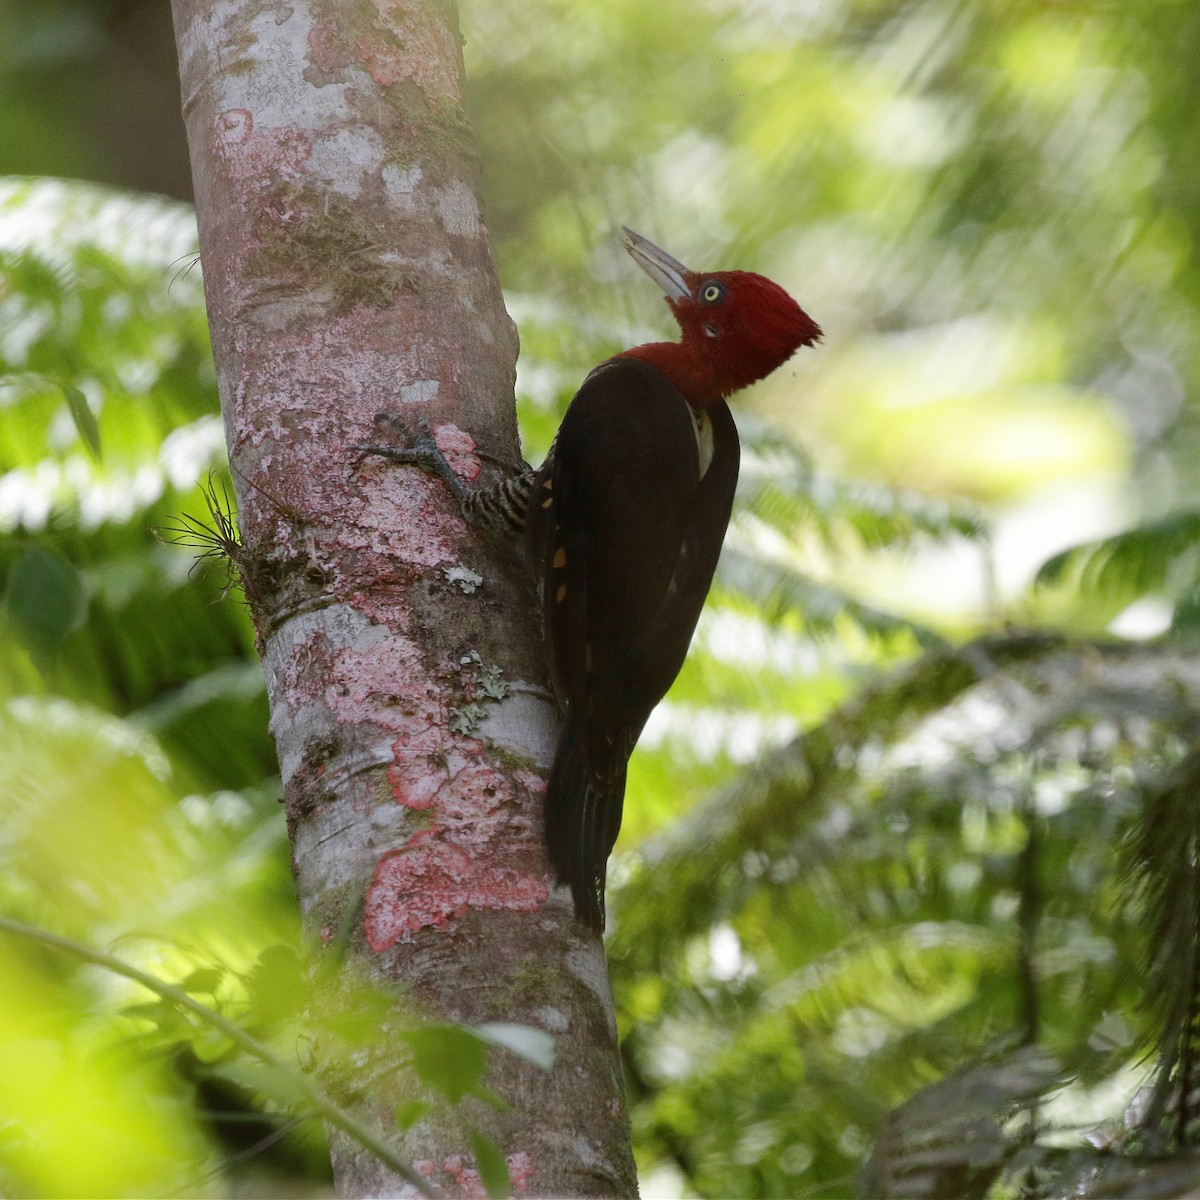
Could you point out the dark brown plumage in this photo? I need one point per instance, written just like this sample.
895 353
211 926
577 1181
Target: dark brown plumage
625 525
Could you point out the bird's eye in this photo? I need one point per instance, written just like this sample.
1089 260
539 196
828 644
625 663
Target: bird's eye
712 292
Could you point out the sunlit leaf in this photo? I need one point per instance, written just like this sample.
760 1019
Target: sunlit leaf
211 1045
278 984
1161 556
284 1088
492 1167
535 1045
204 980
410 1112
84 418
447 1058
359 1016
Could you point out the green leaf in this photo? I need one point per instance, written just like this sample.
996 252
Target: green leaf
263 1079
1186 619
84 418
779 590
166 1016
1158 555
410 1112
205 979
45 598
361 1018
492 1100
493 1169
211 1045
448 1058
534 1045
781 486
278 985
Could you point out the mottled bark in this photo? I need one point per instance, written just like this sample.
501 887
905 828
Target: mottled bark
347 271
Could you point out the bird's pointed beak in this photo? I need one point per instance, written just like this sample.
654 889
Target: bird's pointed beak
669 273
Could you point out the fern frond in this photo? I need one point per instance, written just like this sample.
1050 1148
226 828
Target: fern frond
1132 1178
696 872
1157 556
951 1138
1163 864
779 590
781 486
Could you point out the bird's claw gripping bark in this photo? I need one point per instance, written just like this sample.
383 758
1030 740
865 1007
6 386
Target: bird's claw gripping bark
422 450
392 425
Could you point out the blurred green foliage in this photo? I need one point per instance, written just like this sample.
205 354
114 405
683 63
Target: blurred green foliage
897 883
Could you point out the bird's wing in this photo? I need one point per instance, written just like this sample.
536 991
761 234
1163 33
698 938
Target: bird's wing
625 535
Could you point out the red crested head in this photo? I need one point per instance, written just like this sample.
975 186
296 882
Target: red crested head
736 327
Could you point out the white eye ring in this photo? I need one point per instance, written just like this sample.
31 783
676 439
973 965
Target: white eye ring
711 294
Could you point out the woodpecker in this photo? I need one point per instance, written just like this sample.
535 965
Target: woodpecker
623 525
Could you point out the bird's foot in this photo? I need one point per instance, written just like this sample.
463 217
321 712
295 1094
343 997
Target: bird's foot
422 450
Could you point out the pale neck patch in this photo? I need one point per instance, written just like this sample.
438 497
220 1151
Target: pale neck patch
702 427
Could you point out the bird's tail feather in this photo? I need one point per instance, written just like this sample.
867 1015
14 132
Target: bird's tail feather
582 819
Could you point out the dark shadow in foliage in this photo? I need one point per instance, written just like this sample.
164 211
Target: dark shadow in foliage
950 1139
1163 863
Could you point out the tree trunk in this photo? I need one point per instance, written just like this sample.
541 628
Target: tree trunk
347 271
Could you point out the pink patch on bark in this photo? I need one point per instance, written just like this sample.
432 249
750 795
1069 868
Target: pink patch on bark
415 789
520 1170
264 156
422 1166
322 39
234 125
383 64
458 447
468 1182
478 788
531 782
416 775
458 778
429 881
428 55
410 515
466 1178
383 684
